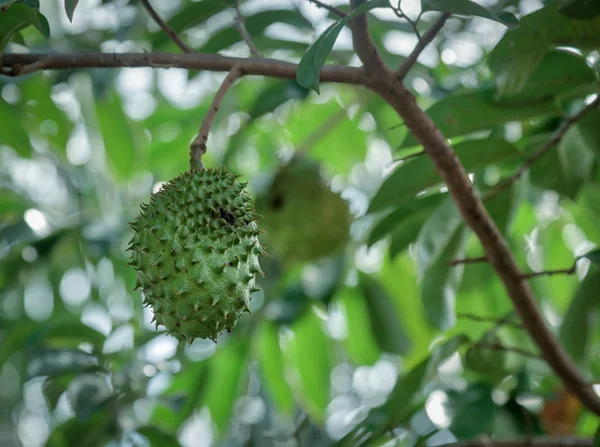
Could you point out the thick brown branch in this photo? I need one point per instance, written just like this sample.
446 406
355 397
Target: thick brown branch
198 145
165 27
363 44
240 25
338 12
525 442
539 153
429 35
21 64
476 216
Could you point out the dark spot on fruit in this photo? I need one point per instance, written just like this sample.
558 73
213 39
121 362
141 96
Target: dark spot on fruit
230 264
227 216
277 202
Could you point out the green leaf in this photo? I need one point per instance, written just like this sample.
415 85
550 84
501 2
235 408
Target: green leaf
407 233
88 393
593 256
596 442
469 8
56 362
158 437
566 168
386 325
490 362
471 411
18 17
70 6
576 327
558 76
521 50
503 206
311 64
441 282
400 214
418 174
406 395
182 397
40 112
307 353
590 131
435 236
360 344
117 134
580 9
227 377
100 429
270 362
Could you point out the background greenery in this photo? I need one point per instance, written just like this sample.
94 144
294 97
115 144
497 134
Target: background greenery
384 344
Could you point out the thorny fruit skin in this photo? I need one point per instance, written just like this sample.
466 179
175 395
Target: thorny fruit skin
304 219
195 251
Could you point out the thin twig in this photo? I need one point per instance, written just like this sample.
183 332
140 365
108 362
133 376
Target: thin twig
198 145
165 27
413 23
539 153
501 347
483 319
408 157
454 262
240 25
338 12
429 35
571 270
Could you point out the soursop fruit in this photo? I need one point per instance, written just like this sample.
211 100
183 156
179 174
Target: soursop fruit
195 251
304 219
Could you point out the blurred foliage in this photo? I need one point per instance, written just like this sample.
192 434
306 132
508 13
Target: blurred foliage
383 344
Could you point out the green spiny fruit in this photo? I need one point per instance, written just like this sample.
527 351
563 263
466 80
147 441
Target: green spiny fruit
303 218
195 250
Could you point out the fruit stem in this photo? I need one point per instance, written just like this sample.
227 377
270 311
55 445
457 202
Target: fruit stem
198 145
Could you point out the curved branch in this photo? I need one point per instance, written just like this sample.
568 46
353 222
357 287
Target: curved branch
496 249
198 145
363 44
543 149
429 35
21 64
165 27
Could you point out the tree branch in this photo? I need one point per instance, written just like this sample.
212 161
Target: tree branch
21 63
165 27
568 271
240 25
363 44
477 218
338 12
198 145
429 35
539 153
